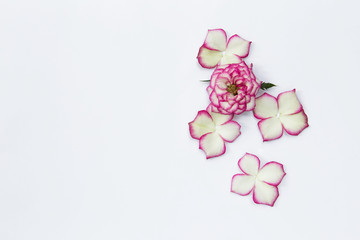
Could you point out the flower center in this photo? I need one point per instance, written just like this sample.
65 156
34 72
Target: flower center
232 89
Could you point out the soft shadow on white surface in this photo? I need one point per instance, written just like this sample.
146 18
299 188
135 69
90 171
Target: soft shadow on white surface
95 97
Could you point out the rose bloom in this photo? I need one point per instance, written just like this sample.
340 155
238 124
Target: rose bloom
232 89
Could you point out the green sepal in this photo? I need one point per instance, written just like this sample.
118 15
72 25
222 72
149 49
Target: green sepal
265 86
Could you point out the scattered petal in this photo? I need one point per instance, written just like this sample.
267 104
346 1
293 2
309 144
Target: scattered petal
219 118
229 58
294 124
285 112
265 193
239 46
242 184
202 124
212 144
270 128
216 50
229 131
216 39
249 164
263 182
212 130
266 106
271 173
209 58
289 103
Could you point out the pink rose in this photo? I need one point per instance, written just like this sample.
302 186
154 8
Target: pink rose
232 89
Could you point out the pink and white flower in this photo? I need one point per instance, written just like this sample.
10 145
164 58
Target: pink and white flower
263 182
217 50
213 130
232 89
284 112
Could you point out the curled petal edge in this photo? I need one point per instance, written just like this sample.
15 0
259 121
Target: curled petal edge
203 147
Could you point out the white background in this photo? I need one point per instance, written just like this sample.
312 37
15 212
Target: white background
95 100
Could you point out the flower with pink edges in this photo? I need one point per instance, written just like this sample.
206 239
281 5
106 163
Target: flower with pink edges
262 182
277 114
232 89
218 50
213 130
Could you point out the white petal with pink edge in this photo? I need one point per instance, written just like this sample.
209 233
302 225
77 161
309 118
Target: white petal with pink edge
265 193
262 182
271 173
229 131
289 103
209 58
225 105
229 58
239 46
202 124
270 129
212 144
216 39
250 105
242 184
219 118
212 108
249 164
294 124
214 99
266 106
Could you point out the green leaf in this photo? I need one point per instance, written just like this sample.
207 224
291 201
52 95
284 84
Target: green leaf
265 86
205 80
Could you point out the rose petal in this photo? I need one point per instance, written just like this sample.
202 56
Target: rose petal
225 105
257 85
251 104
212 144
294 124
289 103
239 111
219 118
214 99
239 46
219 69
216 39
242 184
202 124
229 58
212 108
265 193
272 173
208 58
249 164
265 106
229 131
209 90
233 108
223 79
270 129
